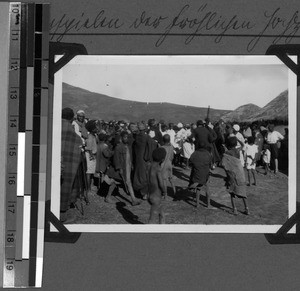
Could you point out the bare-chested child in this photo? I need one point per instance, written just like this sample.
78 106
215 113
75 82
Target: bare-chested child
167 171
157 188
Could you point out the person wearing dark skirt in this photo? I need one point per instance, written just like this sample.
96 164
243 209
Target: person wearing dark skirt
200 162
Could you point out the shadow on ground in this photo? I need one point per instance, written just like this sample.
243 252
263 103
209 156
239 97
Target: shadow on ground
127 214
189 197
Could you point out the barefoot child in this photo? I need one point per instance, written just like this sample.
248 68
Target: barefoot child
266 157
251 152
200 161
157 188
234 169
101 160
167 163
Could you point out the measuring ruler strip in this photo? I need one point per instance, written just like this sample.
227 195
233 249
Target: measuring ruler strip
13 140
5 35
12 144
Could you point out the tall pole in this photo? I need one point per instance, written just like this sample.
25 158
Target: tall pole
208 111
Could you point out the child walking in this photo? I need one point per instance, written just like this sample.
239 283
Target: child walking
166 166
266 157
251 152
234 169
157 188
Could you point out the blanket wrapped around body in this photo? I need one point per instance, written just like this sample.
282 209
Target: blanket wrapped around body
235 172
70 160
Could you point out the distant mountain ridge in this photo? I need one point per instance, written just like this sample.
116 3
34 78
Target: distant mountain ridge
99 106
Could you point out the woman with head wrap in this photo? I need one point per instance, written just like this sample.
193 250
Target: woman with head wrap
240 142
79 125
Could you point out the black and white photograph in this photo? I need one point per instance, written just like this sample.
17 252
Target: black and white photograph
174 144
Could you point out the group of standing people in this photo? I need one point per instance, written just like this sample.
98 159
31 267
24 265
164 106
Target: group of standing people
140 156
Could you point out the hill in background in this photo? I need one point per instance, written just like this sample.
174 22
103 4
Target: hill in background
275 109
99 106
241 113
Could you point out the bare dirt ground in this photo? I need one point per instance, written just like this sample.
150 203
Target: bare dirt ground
267 201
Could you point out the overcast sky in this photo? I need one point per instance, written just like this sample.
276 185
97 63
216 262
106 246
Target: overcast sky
225 86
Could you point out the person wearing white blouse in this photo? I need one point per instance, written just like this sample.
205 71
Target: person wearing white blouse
272 139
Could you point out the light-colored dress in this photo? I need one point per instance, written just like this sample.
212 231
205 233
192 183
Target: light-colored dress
240 137
266 156
91 151
187 149
250 152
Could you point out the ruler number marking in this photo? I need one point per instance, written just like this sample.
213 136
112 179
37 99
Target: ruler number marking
12 151
9 265
13 94
11 180
11 207
10 237
14 65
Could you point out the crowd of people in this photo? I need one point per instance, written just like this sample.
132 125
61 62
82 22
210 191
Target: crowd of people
140 157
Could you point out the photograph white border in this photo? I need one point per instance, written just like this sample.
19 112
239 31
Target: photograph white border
165 59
